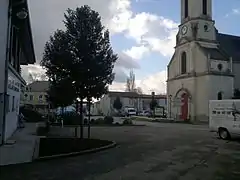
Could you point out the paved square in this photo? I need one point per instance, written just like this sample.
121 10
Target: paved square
154 152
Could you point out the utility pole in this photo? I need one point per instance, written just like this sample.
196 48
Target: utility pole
153 105
170 106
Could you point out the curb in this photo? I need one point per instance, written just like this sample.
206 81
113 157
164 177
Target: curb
113 144
173 122
166 122
97 125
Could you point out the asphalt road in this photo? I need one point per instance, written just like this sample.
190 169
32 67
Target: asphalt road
153 152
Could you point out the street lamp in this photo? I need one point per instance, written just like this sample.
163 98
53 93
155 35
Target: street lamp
170 106
22 14
153 104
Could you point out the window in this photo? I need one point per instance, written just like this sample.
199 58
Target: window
183 63
13 103
186 9
219 96
7 103
204 3
40 97
31 97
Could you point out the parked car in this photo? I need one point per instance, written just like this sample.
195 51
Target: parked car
130 111
144 113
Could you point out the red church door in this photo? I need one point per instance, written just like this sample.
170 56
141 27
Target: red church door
184 106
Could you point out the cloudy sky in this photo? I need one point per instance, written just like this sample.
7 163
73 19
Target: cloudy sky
142 33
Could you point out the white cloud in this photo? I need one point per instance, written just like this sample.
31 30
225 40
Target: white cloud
154 32
126 61
117 86
137 52
120 19
236 11
155 82
233 12
120 75
36 71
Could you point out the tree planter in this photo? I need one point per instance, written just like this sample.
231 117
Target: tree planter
61 147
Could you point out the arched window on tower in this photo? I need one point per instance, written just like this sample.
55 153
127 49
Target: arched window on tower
204 4
184 63
186 8
219 96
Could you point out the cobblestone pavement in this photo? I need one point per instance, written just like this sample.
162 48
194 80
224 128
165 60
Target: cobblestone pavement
164 152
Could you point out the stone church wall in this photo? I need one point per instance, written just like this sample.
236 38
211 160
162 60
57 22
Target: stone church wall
236 71
207 89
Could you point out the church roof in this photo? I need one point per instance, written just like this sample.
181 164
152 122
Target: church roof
215 53
231 44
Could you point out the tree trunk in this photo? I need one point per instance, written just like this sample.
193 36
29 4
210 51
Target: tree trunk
76 125
81 118
89 108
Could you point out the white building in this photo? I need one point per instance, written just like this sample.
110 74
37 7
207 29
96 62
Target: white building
205 64
128 99
16 49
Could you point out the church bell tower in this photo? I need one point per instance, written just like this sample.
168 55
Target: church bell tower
196 21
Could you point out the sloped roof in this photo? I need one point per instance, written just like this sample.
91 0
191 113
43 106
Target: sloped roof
123 94
133 95
216 53
231 44
38 86
157 96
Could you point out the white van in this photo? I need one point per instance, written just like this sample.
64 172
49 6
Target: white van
224 118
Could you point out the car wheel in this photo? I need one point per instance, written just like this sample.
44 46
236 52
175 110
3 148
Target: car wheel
223 133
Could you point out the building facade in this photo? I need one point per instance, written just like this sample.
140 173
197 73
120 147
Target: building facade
35 96
204 65
128 99
16 49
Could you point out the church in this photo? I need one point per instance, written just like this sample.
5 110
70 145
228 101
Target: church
205 65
